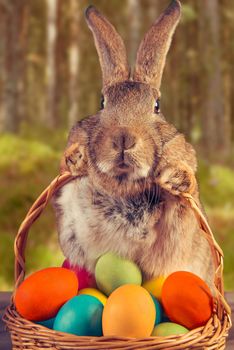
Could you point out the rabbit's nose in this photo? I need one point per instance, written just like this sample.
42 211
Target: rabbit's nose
124 141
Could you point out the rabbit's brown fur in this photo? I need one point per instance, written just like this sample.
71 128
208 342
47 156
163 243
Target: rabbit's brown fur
132 167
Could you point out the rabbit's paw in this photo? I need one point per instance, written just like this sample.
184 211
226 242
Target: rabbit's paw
177 179
76 160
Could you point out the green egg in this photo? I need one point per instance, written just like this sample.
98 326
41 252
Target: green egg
168 328
112 272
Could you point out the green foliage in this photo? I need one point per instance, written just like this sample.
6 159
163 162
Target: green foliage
188 13
28 167
217 195
17 152
44 255
216 185
7 259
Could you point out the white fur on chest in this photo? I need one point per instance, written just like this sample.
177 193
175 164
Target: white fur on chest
84 219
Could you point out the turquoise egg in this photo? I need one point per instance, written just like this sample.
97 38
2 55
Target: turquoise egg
165 318
168 328
47 323
81 315
159 310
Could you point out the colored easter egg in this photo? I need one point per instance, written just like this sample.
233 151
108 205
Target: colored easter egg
187 299
129 312
154 286
47 323
86 279
40 296
159 310
81 315
165 318
168 328
95 293
111 272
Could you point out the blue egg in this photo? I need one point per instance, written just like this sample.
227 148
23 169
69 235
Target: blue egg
47 323
159 310
165 318
81 315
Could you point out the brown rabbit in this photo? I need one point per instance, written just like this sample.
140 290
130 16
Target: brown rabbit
132 166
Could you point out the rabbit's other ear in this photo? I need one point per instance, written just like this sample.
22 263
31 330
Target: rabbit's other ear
153 49
110 48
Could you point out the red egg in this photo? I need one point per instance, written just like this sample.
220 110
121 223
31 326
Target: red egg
86 278
40 296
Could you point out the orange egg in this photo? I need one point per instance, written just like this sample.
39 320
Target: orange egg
40 296
187 299
129 312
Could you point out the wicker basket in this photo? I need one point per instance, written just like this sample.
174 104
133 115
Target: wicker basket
28 335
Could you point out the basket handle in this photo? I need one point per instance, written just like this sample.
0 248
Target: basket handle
217 255
32 215
42 201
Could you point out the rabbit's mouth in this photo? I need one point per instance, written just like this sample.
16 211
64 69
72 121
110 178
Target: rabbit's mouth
124 172
123 168
121 178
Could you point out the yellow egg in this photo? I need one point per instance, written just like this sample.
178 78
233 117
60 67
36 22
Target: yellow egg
154 286
95 293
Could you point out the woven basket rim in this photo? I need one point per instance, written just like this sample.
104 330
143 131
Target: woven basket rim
213 330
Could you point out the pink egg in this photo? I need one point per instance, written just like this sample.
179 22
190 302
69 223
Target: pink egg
86 279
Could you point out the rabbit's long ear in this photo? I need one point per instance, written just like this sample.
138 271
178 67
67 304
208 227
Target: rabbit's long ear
153 49
110 48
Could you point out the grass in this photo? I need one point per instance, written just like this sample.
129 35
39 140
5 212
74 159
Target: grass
27 167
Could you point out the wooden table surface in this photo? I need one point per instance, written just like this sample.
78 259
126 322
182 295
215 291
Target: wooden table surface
5 340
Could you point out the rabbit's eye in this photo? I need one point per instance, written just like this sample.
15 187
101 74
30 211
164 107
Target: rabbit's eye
157 107
102 102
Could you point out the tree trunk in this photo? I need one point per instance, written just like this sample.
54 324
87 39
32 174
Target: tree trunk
171 81
190 72
213 130
73 61
3 15
14 19
134 20
152 11
228 57
51 62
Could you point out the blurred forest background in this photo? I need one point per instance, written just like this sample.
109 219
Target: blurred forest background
50 77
